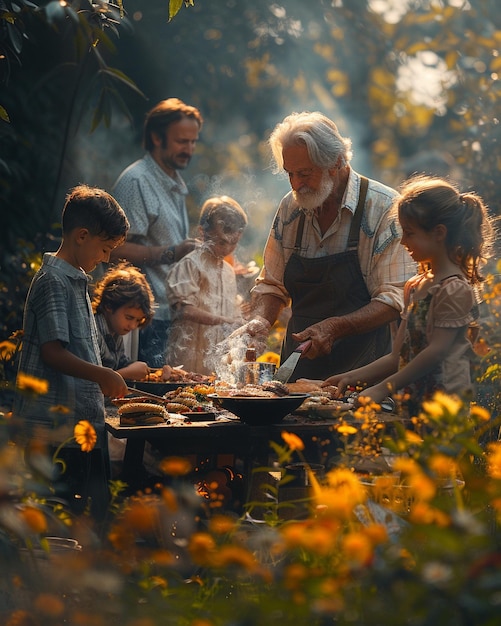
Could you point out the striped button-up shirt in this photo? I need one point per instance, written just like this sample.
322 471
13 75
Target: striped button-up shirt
385 264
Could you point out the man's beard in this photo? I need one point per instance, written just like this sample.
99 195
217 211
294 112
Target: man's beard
174 164
310 200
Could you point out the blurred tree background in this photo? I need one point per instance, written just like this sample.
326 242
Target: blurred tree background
414 83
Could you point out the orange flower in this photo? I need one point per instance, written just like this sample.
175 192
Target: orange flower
221 524
170 499
35 519
175 466
229 555
444 466
423 513
85 435
60 408
494 460
293 441
202 548
357 548
142 516
49 605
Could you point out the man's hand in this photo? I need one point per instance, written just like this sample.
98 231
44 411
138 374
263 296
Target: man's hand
256 327
183 248
257 333
322 337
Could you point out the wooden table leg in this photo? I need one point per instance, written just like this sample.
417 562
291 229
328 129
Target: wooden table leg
133 472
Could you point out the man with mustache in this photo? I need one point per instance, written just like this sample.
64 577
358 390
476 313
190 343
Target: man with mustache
333 253
153 196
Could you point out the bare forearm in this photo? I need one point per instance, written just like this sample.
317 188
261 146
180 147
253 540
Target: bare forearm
267 306
138 254
66 362
364 320
323 334
56 356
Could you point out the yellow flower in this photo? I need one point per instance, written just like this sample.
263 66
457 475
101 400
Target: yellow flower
494 460
346 429
175 466
433 409
343 493
85 435
293 441
7 349
442 403
412 437
443 466
269 357
422 487
408 466
482 414
32 383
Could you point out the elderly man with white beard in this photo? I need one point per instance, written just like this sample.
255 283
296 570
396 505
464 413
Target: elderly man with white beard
333 253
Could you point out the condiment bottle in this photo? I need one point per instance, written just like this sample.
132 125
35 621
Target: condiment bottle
250 355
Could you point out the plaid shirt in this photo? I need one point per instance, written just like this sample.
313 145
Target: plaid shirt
58 308
111 347
155 205
385 264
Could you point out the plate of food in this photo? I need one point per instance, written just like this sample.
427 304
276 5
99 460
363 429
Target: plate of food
161 380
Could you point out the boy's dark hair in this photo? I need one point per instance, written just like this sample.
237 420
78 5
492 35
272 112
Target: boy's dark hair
165 113
96 210
124 285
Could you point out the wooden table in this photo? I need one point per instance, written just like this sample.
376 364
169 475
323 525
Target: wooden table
207 441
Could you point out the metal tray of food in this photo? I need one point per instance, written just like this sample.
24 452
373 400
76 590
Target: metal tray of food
158 388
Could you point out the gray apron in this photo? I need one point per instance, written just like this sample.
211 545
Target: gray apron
331 286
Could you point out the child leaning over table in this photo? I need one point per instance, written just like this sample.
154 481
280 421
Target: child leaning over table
202 288
122 302
449 235
60 346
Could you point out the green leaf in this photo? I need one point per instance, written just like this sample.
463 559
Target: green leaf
120 76
4 115
174 7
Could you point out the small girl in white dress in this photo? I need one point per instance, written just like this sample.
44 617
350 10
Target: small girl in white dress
202 288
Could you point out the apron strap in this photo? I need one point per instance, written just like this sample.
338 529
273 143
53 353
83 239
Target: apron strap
299 233
355 225
359 212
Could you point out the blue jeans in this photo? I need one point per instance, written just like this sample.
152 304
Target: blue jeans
153 342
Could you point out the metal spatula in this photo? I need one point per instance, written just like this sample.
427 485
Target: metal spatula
285 371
